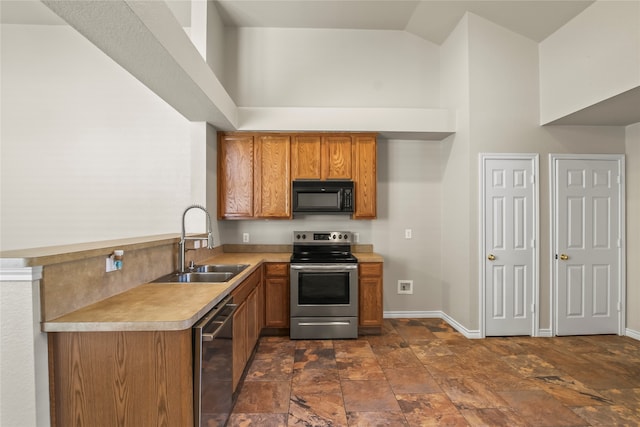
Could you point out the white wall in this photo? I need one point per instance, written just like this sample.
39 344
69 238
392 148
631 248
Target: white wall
276 67
503 110
24 385
88 152
456 203
633 227
592 58
208 34
410 197
352 68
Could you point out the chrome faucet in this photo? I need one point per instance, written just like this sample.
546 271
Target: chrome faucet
183 238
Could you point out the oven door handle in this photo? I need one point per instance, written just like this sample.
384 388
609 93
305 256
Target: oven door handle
335 323
324 267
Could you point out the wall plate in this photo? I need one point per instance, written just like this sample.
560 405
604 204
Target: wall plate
405 286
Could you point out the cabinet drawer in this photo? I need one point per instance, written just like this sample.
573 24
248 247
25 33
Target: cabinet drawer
370 269
277 269
244 289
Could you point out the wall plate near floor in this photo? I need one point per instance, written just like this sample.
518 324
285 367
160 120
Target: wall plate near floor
405 286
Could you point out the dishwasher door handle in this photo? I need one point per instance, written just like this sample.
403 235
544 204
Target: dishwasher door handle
218 324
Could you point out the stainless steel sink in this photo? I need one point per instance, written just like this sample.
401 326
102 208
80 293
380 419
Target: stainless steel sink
212 277
225 268
204 274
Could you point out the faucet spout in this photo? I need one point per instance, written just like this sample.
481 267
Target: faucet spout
183 238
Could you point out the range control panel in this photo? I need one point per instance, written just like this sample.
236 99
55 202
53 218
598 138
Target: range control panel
319 237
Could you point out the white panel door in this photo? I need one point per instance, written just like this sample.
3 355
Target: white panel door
509 246
587 246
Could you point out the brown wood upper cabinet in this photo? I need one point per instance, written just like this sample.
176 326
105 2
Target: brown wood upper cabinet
255 170
335 160
235 176
305 156
253 176
321 157
364 149
272 179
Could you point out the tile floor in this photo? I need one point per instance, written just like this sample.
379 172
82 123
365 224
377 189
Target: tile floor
421 372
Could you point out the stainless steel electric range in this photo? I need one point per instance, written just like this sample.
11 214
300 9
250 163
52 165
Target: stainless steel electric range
324 286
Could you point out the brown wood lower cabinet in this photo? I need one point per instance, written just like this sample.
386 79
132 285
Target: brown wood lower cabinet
254 323
145 378
276 288
246 322
240 343
140 378
246 331
370 297
121 378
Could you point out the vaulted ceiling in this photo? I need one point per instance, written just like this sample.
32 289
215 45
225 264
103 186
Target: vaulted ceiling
432 20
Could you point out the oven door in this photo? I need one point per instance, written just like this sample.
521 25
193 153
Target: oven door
324 290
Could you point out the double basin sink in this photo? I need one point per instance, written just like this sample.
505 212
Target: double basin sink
204 274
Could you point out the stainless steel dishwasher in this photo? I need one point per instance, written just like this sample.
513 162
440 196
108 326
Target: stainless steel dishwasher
213 366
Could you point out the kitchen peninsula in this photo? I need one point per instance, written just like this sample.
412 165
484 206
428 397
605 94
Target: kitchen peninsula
113 337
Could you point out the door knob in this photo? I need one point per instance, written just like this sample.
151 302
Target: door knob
564 257
491 257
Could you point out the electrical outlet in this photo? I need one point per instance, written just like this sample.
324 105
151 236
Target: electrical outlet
356 237
405 286
408 233
245 237
196 244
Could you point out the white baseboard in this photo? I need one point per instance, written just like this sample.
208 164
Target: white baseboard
412 315
471 334
632 334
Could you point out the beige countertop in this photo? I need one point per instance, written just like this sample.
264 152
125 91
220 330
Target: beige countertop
368 257
19 258
160 306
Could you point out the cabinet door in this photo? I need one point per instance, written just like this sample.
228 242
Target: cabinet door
235 176
370 294
239 343
336 157
365 176
253 331
276 289
135 378
261 323
305 157
277 302
272 180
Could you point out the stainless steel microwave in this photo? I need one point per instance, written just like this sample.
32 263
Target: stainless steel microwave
323 197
